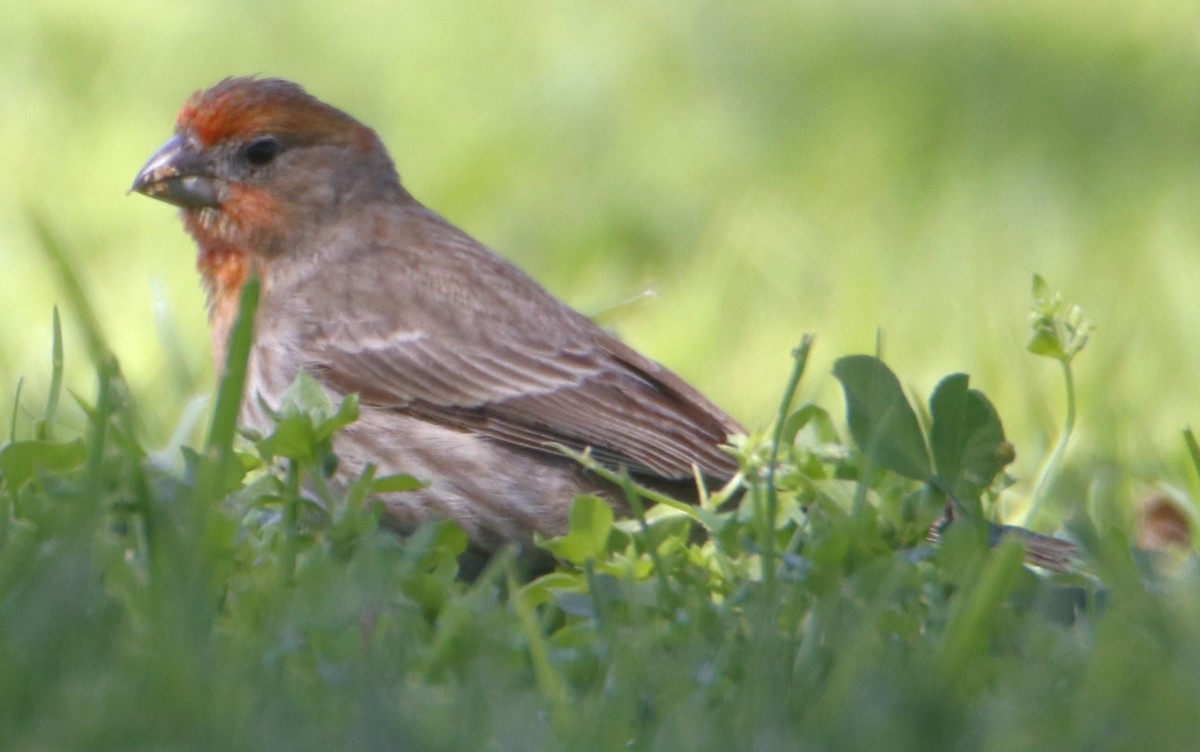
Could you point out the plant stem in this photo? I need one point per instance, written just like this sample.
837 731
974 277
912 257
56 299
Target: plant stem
1050 469
291 521
801 356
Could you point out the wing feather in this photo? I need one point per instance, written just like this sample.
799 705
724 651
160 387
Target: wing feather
504 358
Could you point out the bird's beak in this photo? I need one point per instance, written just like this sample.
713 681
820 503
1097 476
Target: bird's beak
179 174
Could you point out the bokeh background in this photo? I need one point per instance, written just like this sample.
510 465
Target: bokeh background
766 169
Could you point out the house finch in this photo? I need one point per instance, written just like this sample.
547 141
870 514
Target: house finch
469 373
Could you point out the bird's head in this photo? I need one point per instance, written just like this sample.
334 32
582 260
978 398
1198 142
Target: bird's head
255 160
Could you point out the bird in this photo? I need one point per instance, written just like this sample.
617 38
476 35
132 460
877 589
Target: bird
470 374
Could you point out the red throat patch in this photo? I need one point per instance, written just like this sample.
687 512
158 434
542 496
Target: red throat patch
249 226
225 269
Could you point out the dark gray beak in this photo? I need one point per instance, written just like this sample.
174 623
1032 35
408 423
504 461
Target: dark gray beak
179 174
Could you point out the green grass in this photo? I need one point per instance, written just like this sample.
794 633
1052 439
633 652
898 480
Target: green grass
886 176
215 606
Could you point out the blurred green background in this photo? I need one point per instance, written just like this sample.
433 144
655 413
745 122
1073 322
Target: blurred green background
767 169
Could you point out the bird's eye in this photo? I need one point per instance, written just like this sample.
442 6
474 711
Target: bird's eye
261 151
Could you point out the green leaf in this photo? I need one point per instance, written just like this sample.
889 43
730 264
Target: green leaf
306 395
587 537
813 416
447 542
397 484
882 422
966 437
294 437
21 461
307 420
1044 341
347 413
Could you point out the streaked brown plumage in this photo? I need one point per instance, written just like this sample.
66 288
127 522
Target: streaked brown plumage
469 371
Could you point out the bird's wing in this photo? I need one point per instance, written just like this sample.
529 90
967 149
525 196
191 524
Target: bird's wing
464 339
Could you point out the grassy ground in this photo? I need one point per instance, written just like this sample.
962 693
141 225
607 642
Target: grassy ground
843 169
217 607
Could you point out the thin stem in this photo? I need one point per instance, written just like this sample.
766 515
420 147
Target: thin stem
12 426
801 356
639 512
56 373
1050 469
1189 438
291 521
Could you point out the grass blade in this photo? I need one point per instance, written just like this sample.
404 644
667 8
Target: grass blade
233 380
